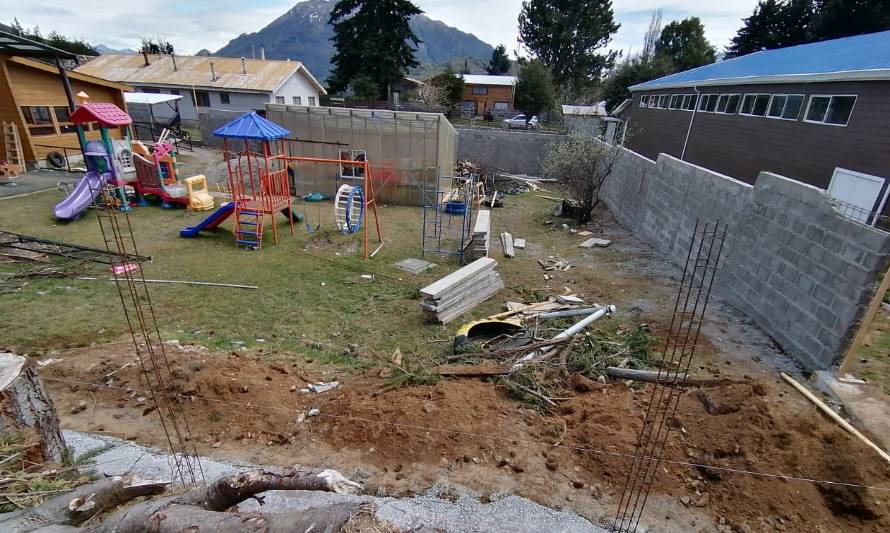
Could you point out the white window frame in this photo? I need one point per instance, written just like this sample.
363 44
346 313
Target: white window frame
822 122
755 95
675 99
653 101
644 100
312 101
694 98
780 117
704 98
666 98
280 100
297 100
728 97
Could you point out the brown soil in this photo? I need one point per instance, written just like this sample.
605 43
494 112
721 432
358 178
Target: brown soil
467 432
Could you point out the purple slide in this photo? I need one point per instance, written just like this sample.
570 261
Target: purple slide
86 191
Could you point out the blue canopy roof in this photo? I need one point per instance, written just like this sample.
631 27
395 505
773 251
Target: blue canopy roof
252 126
863 57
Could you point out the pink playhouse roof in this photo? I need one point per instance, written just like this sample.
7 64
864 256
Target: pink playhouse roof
104 114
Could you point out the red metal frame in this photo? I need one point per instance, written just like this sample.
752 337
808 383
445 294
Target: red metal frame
268 191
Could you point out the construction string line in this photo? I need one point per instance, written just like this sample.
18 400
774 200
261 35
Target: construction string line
252 408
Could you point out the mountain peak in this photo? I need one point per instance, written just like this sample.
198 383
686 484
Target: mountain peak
302 33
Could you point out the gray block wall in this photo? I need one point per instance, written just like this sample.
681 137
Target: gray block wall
518 152
801 271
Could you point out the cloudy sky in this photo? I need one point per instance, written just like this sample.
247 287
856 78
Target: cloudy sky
194 24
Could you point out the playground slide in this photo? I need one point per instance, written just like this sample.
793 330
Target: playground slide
78 201
215 219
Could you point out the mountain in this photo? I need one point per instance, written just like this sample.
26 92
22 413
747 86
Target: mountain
303 34
102 49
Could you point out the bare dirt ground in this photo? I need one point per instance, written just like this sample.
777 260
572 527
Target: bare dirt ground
469 434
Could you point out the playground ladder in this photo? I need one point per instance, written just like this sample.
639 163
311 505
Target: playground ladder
249 228
13 145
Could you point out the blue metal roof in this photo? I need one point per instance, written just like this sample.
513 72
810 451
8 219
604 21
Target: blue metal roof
862 57
251 126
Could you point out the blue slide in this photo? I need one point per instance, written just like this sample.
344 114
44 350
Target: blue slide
215 219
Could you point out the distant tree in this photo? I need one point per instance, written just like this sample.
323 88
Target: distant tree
842 18
629 72
55 39
372 38
466 68
500 63
451 85
683 43
569 37
774 24
365 88
653 33
429 95
156 46
534 89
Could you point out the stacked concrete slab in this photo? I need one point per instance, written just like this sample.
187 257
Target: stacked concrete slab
461 291
481 241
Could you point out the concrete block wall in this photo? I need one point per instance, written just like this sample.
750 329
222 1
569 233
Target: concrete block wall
518 152
797 268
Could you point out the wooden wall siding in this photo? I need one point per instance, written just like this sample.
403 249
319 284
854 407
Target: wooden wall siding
9 112
484 102
31 87
743 146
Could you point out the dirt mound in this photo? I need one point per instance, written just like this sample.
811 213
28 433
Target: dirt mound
404 440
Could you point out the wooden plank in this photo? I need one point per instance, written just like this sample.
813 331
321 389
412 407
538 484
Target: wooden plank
519 244
834 416
599 243
864 326
458 276
653 376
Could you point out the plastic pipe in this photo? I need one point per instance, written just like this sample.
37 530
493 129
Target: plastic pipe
569 312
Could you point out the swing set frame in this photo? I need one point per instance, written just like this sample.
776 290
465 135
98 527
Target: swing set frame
269 190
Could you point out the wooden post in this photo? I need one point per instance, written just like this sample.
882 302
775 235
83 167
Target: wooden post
864 326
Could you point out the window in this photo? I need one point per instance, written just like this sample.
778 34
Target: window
279 99
501 106
644 100
201 98
39 120
312 100
174 91
689 102
153 90
653 101
223 98
63 119
662 101
480 90
708 103
728 104
674 98
755 105
298 100
785 106
834 110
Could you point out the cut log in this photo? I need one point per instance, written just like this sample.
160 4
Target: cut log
653 376
26 408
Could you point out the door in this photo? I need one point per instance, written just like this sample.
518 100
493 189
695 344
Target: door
861 195
396 98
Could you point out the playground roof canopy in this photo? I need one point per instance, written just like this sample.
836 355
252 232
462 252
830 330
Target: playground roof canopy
251 126
103 113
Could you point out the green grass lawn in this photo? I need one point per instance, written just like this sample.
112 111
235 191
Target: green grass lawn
876 353
309 285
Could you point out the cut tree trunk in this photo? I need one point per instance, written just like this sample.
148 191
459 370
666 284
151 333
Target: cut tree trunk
26 408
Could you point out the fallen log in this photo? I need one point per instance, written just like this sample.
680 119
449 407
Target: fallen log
653 376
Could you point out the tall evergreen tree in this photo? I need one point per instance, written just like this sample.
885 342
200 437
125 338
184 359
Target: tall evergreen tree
569 36
774 24
373 39
500 63
842 18
683 43
534 89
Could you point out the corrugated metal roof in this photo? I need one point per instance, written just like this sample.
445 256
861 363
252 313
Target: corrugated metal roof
251 126
262 75
481 79
863 57
598 110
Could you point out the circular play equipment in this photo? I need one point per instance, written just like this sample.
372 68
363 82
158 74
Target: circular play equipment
349 208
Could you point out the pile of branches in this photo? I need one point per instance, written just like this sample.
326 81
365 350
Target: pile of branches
134 505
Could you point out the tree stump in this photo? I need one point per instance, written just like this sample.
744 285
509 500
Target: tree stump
27 409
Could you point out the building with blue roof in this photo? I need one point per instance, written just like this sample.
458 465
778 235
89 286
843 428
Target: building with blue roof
810 112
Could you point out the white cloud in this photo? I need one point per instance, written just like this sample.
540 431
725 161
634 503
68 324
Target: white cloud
193 24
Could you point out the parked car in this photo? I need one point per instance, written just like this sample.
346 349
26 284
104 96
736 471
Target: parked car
519 122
